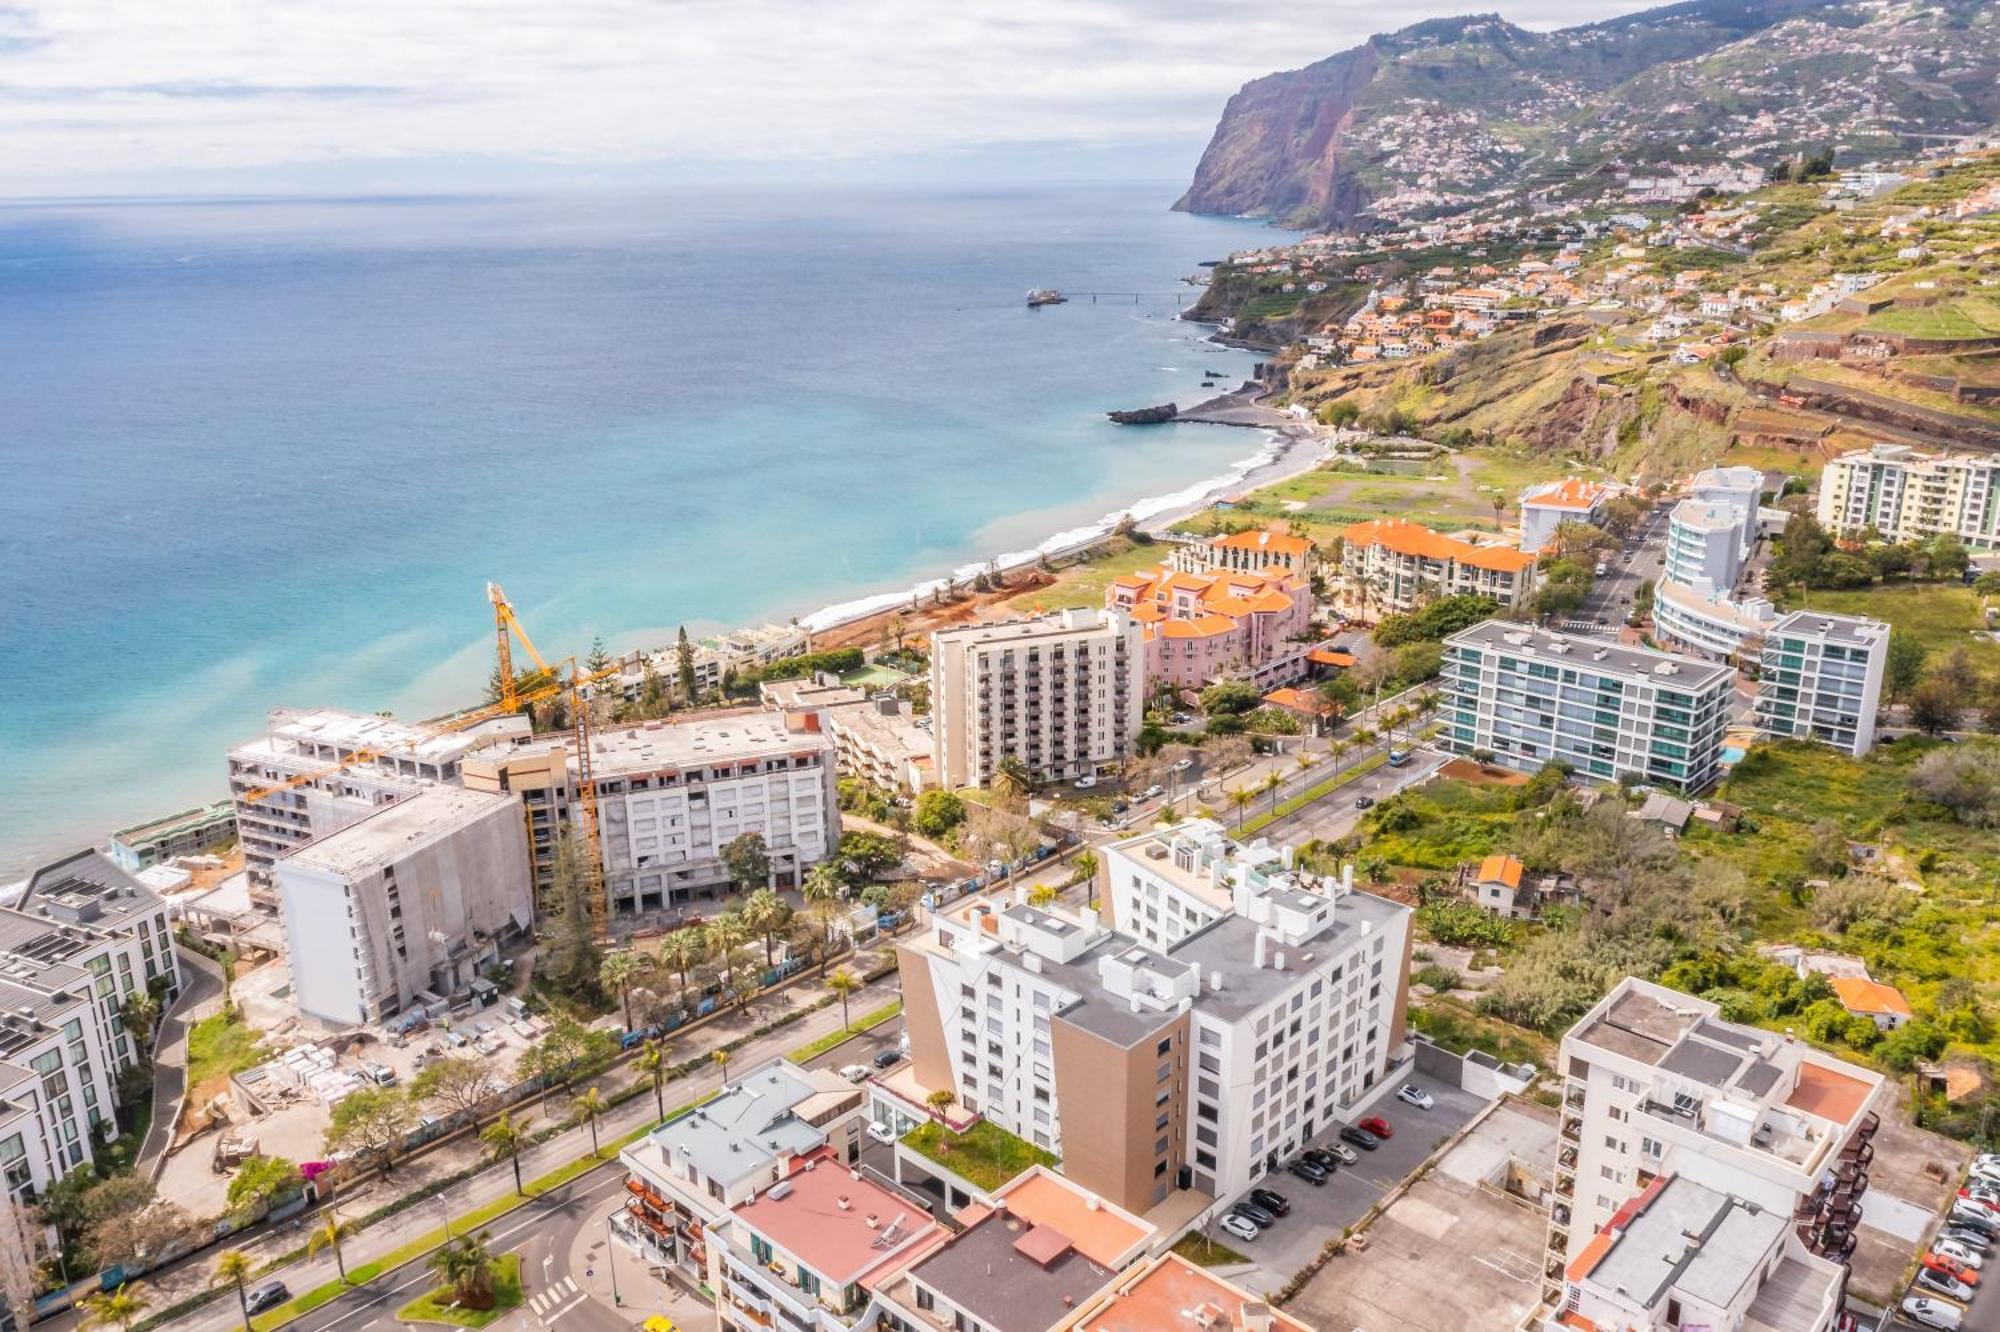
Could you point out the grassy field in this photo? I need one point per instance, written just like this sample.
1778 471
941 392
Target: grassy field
985 1154
1967 317
1942 616
1455 1027
435 1306
1456 822
219 1046
1084 584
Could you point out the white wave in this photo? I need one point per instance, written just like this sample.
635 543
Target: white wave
1152 508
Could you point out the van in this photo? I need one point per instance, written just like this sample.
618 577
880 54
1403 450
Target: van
1398 757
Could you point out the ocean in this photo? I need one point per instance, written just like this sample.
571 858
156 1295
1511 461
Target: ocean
269 453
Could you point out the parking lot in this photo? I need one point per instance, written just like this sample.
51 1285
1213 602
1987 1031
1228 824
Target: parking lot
1320 1212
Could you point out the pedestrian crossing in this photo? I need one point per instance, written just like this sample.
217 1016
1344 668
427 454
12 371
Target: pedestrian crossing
562 1292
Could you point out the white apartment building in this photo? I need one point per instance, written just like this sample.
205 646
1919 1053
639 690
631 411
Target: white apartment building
1528 696
1064 694
1200 1065
1822 678
1164 884
672 794
1394 565
385 761
1738 490
408 903
1704 544
1682 1254
1544 508
1904 495
84 938
1656 1084
1706 621
685 1175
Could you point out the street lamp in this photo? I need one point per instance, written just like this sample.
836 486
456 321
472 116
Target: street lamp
444 1205
611 1257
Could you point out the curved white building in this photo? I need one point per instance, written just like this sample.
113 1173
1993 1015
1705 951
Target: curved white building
1695 617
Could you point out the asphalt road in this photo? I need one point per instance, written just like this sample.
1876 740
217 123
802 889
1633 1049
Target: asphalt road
1334 815
542 1233
1636 562
861 1049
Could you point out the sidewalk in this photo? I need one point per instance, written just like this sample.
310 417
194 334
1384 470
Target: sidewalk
174 1284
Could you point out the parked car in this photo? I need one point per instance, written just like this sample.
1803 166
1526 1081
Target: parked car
1120 806
856 1072
1153 790
1973 1218
1988 1170
1264 1219
1360 1137
1949 1266
1411 1094
1378 1126
888 1057
882 1133
1968 1239
1342 1153
1272 1201
1310 1171
269 1295
1960 1252
1364 802
1244 1229
1323 1158
1933 1313
1937 1283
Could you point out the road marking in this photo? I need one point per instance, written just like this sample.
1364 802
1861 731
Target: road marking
569 1308
553 1296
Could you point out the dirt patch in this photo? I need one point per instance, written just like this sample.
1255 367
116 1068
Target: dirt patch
1903 1151
1465 770
970 608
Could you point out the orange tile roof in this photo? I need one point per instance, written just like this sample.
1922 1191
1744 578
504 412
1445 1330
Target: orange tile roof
1570 493
1593 1253
1166 1293
1500 869
1299 700
1263 539
1866 996
1829 1094
1408 538
1330 657
1206 626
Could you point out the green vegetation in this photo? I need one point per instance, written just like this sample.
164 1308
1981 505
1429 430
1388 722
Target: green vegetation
219 1045
866 1022
441 1304
1458 1028
1202 1251
985 1155
1084 583
1318 792
1941 616
1968 317
1442 824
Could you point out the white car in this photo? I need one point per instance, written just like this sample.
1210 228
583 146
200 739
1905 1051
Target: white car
1245 1229
1183 765
882 1134
1933 1313
1085 782
1963 1254
1410 1094
1937 1283
856 1072
1153 790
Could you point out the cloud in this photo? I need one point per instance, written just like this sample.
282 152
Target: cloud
99 91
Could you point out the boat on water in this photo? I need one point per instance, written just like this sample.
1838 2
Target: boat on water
1041 296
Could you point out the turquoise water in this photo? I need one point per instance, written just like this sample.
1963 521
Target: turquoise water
269 453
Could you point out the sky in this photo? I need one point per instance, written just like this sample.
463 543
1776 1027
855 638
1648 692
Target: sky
137 96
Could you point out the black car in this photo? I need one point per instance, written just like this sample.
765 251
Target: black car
1363 802
1360 1137
1272 1201
1308 1171
1257 1215
889 1056
1325 1160
267 1296
1976 1240
1973 1217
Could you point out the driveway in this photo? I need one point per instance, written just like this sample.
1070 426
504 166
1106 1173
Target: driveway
1321 1213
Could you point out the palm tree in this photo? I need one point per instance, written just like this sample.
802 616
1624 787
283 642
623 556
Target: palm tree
327 1235
141 1012
844 983
1272 781
682 951
725 934
1083 868
653 1063
765 913
587 1108
1042 894
616 974
1011 780
121 1306
466 1265
823 883
504 1140
1338 749
1241 798
721 1057
233 1268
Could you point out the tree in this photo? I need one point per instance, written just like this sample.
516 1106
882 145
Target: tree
1964 778
466 1265
653 1063
1042 894
1959 675
617 973
684 663
864 856
1947 556
371 1122
727 933
748 862
941 1100
1272 781
816 928
823 883
720 1057
141 1012
571 960
454 1084
1905 664
938 812
233 1267
1934 707
1083 869
1241 797
504 1139
262 1181
21 1252
1230 698
1826 854
599 661
588 1109
327 1234
121 1306
844 982
1011 781
564 1048
765 914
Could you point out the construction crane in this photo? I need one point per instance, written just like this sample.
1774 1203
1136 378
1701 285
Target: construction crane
507 627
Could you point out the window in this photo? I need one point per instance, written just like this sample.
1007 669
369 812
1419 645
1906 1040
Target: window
1164 1046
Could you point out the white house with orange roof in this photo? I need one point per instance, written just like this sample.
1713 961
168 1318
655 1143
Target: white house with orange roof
1200 627
1257 550
1546 507
1884 1005
1391 565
